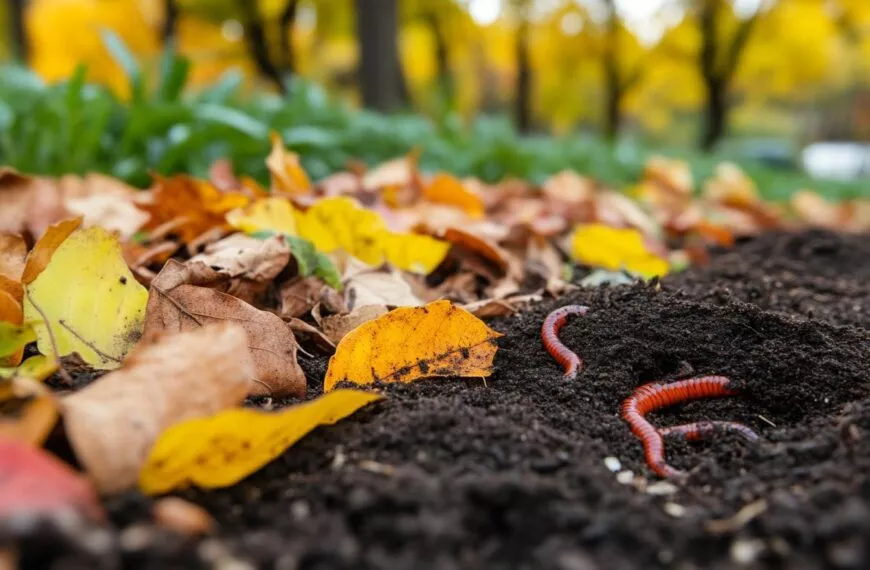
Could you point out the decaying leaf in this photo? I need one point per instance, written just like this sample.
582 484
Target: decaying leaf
598 245
13 251
288 177
28 204
439 339
335 327
175 306
35 483
90 299
112 423
222 449
378 288
298 296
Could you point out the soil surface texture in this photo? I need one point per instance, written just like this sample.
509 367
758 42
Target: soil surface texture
528 470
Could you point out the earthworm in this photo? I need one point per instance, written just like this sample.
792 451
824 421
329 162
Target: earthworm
654 396
550 335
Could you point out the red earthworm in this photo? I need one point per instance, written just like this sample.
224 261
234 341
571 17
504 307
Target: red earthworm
654 396
550 335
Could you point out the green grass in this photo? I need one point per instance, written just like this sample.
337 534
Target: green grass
77 127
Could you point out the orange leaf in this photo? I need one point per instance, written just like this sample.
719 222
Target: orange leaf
41 254
447 189
288 177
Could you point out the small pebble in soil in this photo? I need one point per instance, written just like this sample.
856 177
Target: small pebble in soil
625 477
675 510
612 463
746 551
660 488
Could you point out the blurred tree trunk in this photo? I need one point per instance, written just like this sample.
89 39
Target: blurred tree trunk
18 31
442 55
258 46
170 21
612 81
380 73
718 64
523 109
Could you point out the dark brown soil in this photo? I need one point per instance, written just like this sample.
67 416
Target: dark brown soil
511 473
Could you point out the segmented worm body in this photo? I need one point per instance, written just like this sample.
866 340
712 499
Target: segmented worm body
655 395
550 335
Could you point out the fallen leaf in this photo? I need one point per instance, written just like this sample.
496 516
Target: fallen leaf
610 248
29 410
298 296
335 327
28 204
13 251
247 265
483 256
303 331
13 337
37 484
13 288
618 210
378 288
341 223
397 172
112 423
221 450
175 306
439 339
266 214
489 308
109 212
288 177
447 189
191 205
89 298
37 368
43 249
814 210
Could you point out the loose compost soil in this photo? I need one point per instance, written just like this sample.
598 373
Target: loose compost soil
511 472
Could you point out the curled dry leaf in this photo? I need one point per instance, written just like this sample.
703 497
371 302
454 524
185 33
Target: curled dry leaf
220 450
379 288
406 344
112 423
175 306
489 308
36 483
303 331
480 255
298 296
250 264
288 177
335 327
88 298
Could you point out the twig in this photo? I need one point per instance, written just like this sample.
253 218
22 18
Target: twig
56 353
88 343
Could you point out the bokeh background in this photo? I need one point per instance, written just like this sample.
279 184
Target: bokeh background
490 87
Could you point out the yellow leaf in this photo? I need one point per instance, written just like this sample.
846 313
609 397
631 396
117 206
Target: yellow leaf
88 296
37 368
439 339
267 214
414 252
598 245
29 410
288 177
340 223
447 189
220 450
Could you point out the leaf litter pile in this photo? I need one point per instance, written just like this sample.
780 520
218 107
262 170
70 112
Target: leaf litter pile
353 373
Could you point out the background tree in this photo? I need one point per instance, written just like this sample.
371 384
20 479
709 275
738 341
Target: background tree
17 30
380 75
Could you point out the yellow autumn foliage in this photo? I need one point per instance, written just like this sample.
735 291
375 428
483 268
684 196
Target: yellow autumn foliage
222 449
615 249
409 343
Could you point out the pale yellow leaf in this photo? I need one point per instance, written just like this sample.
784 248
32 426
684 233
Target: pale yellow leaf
220 450
615 249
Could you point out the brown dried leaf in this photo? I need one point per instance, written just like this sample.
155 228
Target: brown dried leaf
336 326
379 288
28 204
113 423
299 295
13 251
176 306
